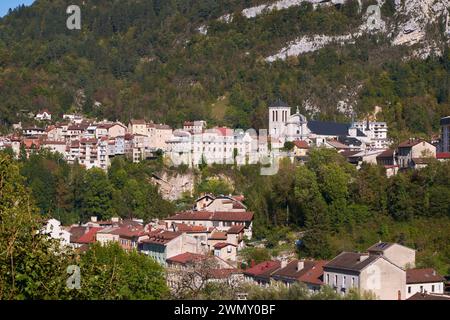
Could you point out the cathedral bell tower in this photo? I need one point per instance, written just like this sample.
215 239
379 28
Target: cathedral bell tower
279 113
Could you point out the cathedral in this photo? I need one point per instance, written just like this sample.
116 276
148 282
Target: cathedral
285 126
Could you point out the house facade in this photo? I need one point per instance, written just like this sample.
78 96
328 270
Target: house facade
366 273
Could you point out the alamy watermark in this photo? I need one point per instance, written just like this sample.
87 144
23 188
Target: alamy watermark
74 20
74 279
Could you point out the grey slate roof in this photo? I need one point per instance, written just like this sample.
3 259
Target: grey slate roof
278 103
445 121
351 261
380 246
328 128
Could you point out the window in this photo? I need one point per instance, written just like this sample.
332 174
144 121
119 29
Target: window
409 289
432 288
328 279
344 278
421 288
229 250
353 281
335 280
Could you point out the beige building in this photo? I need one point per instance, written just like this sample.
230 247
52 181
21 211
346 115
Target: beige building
414 153
402 256
138 127
367 274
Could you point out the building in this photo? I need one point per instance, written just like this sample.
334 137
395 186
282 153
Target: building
423 281
226 251
162 245
221 220
366 273
287 127
219 145
415 153
209 202
307 272
43 115
445 134
376 131
194 126
138 127
54 230
402 256
261 273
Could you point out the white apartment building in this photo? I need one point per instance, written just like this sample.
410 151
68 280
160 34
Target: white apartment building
376 131
218 145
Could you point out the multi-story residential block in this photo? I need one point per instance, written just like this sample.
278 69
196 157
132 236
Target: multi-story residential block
55 146
33 131
162 245
194 126
217 145
376 131
138 127
366 273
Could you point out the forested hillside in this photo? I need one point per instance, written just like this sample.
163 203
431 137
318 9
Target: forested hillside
148 59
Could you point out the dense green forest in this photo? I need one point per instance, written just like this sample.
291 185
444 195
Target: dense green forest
148 59
339 207
34 267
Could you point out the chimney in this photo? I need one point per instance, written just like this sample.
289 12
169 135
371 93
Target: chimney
283 263
93 219
300 265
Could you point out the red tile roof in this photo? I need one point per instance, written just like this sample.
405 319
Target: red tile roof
161 238
312 272
213 216
315 274
238 228
423 276
301 144
182 227
186 258
443 155
218 236
221 245
263 269
89 237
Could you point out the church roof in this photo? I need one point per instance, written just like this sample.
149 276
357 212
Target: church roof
327 128
278 103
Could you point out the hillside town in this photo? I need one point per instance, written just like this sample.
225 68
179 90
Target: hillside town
94 143
202 245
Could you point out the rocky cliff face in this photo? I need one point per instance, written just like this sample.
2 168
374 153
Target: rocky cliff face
411 25
172 187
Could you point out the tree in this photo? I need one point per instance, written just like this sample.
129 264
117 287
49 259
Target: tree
97 195
110 273
29 265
